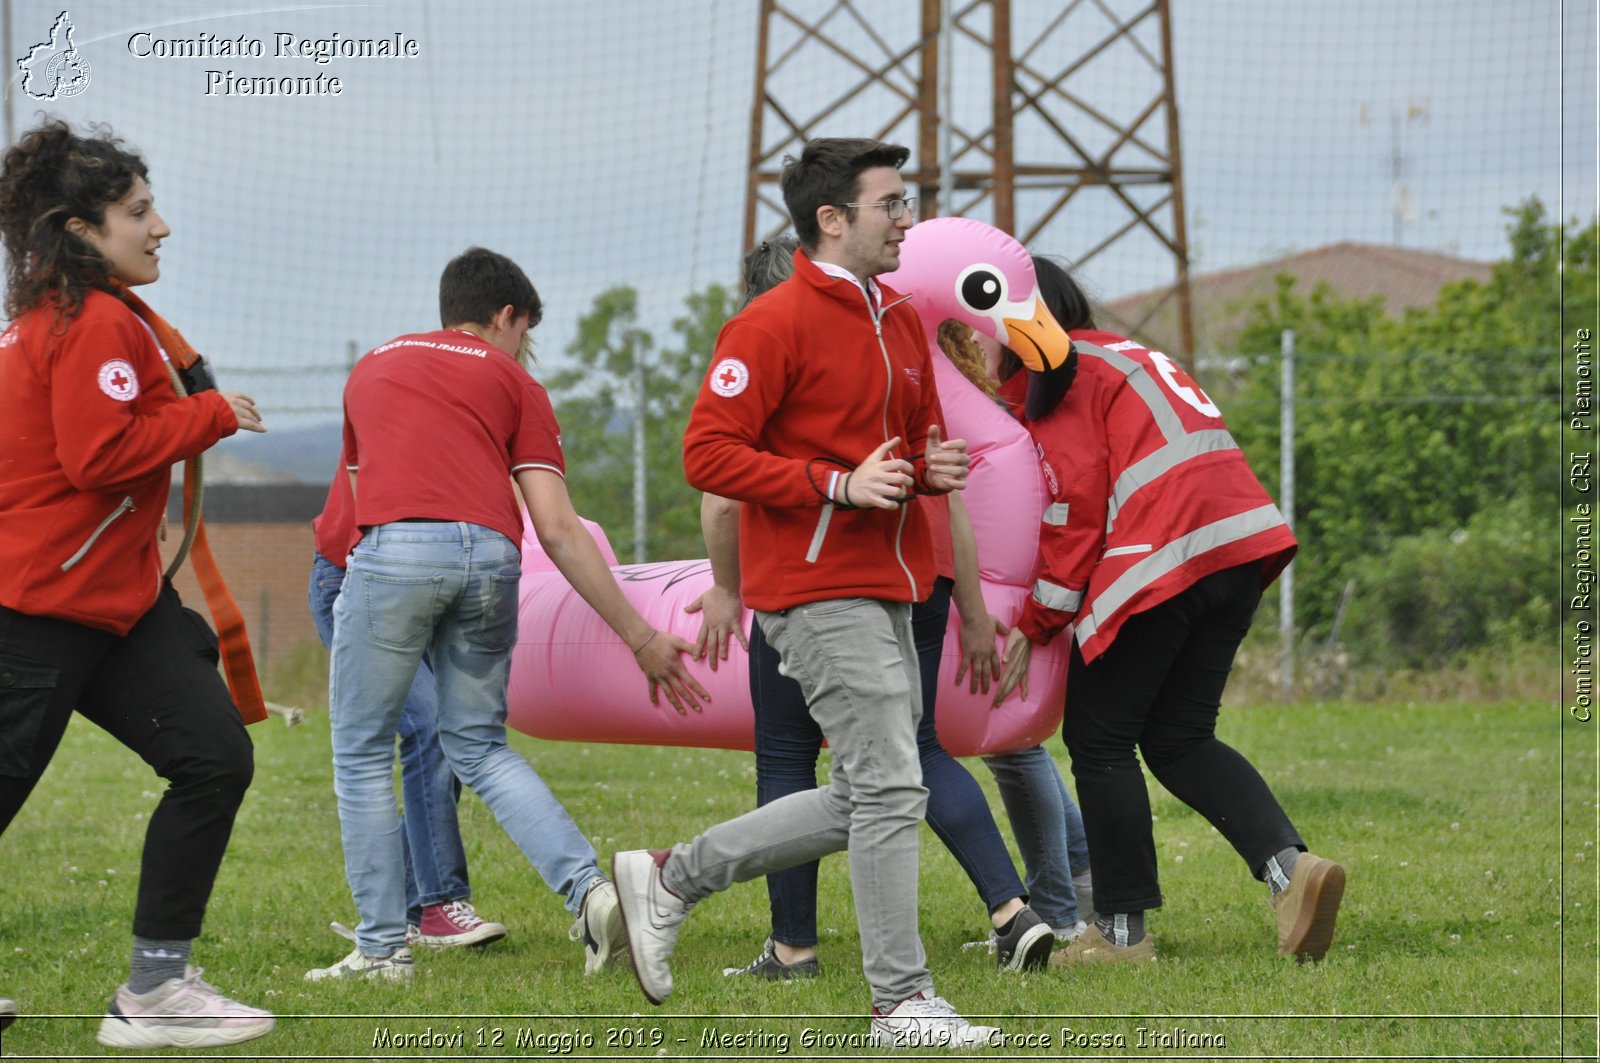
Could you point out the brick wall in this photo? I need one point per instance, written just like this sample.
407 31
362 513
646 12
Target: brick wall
261 538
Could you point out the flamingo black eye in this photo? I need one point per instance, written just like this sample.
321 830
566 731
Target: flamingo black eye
982 290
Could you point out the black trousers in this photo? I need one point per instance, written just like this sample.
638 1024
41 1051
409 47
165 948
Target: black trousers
1158 688
157 691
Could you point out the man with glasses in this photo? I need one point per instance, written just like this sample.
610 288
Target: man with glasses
819 414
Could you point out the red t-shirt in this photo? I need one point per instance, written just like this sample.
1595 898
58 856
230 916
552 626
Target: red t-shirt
435 423
335 527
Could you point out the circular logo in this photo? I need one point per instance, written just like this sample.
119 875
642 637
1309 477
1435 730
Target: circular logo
117 379
729 377
67 74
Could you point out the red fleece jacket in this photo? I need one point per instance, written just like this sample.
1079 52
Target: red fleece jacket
90 428
809 372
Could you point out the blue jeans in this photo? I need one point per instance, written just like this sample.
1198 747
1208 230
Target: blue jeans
448 590
1048 828
436 863
788 741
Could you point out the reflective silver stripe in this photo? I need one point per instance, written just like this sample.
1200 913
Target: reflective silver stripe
127 504
1119 551
822 530
1055 514
1158 463
1054 596
1172 556
1143 385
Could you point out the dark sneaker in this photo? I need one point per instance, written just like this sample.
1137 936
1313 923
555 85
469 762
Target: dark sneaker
599 927
768 966
927 1021
1027 947
1308 908
8 1012
182 1012
651 914
454 924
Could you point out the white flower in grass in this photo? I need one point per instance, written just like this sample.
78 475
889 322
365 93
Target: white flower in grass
1489 914
103 882
1455 826
1178 859
1455 937
1405 863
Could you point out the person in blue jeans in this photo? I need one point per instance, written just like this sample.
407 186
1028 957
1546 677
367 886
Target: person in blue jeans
1048 828
437 427
439 911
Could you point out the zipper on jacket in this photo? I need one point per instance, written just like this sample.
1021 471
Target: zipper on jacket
888 392
127 505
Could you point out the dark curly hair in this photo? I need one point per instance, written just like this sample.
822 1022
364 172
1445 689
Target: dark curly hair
47 178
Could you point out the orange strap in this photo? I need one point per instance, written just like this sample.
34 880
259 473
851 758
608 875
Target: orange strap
238 662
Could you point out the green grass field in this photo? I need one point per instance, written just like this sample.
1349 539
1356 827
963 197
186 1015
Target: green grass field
1468 931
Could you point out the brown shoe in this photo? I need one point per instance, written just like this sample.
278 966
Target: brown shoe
1308 908
1092 946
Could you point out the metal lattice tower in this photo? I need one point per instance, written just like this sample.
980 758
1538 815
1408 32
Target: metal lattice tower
1081 116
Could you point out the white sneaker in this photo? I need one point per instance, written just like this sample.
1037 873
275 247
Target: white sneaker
651 914
1070 934
8 1012
398 964
926 1021
599 927
182 1012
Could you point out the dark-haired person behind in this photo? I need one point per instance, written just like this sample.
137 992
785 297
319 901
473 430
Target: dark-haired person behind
1156 551
437 426
91 424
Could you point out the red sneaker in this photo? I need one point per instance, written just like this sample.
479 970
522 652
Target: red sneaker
452 925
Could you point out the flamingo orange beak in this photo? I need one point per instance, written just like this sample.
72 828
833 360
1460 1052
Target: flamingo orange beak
1039 341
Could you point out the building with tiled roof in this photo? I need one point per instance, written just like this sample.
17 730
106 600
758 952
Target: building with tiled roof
1404 277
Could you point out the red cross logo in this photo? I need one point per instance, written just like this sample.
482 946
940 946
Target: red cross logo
729 377
118 380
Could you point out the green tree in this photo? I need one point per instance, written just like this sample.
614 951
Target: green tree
1418 437
595 404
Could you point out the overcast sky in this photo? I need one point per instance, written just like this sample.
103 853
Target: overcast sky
606 143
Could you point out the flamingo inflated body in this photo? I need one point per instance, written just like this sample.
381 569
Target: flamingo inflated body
573 679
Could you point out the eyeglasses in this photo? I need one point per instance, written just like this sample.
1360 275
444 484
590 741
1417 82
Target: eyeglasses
896 208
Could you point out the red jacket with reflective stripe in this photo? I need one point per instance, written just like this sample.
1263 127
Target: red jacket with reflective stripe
807 372
90 428
1150 494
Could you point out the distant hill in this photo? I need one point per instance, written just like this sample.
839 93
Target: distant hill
307 454
1404 277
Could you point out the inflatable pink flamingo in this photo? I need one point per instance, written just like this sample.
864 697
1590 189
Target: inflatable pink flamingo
571 678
